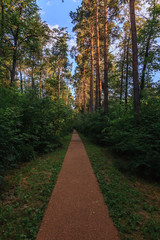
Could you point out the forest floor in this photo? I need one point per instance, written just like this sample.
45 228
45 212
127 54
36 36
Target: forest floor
77 209
25 194
133 203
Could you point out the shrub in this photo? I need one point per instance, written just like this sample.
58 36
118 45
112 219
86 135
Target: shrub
30 125
139 145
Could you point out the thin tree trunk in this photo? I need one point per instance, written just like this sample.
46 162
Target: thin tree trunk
13 71
59 83
92 106
2 29
144 67
84 89
121 88
122 75
1 40
127 70
135 62
142 86
67 96
40 84
33 83
21 79
98 79
105 59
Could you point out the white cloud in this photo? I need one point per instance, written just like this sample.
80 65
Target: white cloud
77 1
49 3
42 12
72 42
53 26
52 35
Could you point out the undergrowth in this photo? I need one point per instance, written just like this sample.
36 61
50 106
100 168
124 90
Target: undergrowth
138 144
26 192
30 126
133 203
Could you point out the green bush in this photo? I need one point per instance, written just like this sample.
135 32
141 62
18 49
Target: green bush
27 153
30 125
138 145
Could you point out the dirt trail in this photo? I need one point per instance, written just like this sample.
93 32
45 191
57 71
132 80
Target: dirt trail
76 210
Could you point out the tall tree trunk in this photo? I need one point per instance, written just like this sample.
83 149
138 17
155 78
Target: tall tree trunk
144 67
67 96
21 79
40 83
142 86
98 79
122 74
92 105
121 88
33 83
84 90
127 71
16 37
105 58
14 61
135 62
2 29
59 81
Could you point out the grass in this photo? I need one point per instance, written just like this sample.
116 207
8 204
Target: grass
133 203
25 194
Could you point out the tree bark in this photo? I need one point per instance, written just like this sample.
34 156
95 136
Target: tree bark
105 58
122 75
135 62
92 106
33 83
13 71
142 86
84 90
59 81
98 79
21 79
40 83
127 71
2 29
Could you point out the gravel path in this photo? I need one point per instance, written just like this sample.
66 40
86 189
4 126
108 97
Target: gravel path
76 210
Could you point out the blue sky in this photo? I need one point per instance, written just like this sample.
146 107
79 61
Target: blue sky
54 12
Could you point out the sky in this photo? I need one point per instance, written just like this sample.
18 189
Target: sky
56 13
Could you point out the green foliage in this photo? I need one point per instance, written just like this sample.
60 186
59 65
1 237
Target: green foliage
132 202
26 193
139 145
29 125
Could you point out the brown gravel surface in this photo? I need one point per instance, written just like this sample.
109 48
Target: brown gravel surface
76 210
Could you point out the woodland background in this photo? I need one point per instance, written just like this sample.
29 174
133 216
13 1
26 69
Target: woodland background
116 102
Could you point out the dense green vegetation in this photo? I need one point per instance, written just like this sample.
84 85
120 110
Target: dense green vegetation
35 73
117 94
30 125
113 81
133 203
116 104
138 145
26 192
